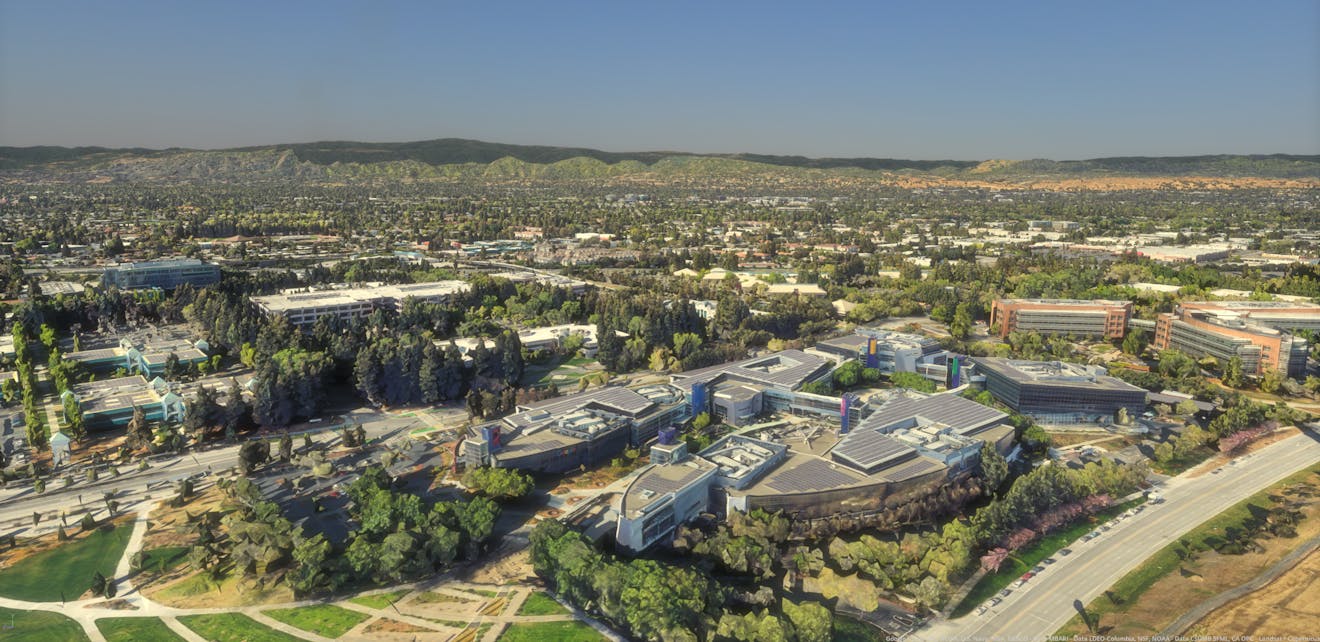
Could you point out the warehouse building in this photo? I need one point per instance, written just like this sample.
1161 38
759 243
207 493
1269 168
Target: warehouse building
165 275
1076 317
1060 393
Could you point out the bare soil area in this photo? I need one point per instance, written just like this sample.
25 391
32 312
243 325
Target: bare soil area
1288 606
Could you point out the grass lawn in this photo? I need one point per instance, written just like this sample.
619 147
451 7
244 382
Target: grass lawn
325 620
66 572
380 600
163 558
573 631
39 626
1182 464
541 604
1129 589
1027 558
136 629
233 627
847 629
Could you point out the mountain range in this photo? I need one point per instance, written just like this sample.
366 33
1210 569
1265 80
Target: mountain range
450 158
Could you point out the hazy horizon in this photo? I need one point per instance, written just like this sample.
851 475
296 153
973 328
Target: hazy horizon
958 81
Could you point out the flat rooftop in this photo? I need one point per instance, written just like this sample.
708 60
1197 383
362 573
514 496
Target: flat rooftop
809 468
1054 373
964 416
788 369
616 399
656 482
359 295
1071 302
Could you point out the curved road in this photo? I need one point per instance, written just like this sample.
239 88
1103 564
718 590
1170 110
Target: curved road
1045 603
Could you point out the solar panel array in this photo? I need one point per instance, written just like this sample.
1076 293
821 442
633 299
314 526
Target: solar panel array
963 415
869 449
815 474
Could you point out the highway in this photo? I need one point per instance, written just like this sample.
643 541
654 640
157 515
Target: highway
1046 602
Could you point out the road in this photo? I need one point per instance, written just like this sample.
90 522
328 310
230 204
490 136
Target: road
18 503
1045 603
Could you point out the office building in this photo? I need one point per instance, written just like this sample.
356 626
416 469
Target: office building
1081 318
585 429
143 353
1060 393
1286 316
740 391
1223 332
165 275
303 309
889 352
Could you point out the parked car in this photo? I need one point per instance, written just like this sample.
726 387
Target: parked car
1065 552
1005 593
1049 560
1039 569
1018 584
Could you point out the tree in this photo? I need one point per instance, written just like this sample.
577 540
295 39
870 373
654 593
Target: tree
74 416
1134 343
961 325
912 381
1233 377
994 468
252 454
1187 407
1271 381
812 622
501 484
139 432
848 374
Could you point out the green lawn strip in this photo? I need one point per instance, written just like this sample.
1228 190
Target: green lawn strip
65 572
484 592
571 631
233 627
380 600
1128 589
1180 465
163 558
847 629
38 626
541 604
1026 559
326 620
136 629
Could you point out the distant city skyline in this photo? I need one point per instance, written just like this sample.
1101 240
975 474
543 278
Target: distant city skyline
944 80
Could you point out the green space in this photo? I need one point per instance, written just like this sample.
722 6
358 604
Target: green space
380 600
1211 533
38 626
325 620
65 572
233 627
163 558
557 369
541 604
847 629
136 629
1026 559
571 631
1181 464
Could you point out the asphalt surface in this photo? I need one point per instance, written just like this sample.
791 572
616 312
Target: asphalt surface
1046 602
19 502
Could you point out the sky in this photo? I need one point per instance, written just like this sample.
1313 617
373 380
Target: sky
921 80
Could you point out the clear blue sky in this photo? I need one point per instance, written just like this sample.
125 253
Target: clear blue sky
968 80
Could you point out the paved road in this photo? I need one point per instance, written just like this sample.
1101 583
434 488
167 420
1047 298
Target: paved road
1046 603
17 503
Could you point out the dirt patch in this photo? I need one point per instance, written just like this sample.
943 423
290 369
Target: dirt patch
386 625
508 569
113 605
1288 606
